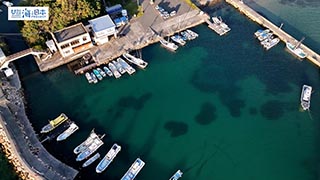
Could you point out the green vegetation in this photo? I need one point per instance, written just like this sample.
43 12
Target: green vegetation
4 46
62 14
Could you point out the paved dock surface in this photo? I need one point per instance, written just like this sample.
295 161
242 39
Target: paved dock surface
137 33
24 137
284 36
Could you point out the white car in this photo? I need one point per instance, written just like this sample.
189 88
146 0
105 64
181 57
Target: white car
7 3
173 13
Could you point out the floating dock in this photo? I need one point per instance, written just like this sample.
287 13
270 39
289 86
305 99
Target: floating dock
284 36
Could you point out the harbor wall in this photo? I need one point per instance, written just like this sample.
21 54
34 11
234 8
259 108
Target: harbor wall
20 142
284 36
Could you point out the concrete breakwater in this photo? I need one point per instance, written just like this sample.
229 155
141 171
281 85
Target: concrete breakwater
284 36
19 140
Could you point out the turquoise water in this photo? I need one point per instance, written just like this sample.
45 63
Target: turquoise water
219 108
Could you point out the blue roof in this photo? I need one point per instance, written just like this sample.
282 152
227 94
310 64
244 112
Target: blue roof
102 23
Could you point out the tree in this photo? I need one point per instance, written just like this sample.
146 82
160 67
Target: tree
61 14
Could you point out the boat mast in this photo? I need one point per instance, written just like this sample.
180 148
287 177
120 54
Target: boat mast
299 43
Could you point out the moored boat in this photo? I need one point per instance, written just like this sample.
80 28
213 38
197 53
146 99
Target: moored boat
114 70
176 175
264 36
133 170
178 39
192 33
305 97
272 42
94 78
169 45
106 70
85 143
220 27
185 35
134 60
119 67
91 160
71 129
295 49
88 77
93 146
97 74
102 73
108 158
260 32
54 123
130 70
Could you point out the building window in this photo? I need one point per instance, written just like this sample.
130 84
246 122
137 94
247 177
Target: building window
67 52
75 42
64 46
84 38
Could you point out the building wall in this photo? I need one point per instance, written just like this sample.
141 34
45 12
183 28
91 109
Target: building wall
66 48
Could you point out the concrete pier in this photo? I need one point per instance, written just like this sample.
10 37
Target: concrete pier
284 36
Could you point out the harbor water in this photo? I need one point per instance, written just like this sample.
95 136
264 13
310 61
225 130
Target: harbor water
218 108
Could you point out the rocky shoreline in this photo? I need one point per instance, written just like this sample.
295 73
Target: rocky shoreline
20 142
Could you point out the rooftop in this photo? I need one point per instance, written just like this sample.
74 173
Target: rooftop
70 32
102 23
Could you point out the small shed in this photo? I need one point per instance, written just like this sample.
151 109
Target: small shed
103 27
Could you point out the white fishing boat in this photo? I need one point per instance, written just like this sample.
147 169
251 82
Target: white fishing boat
271 42
260 32
220 27
119 67
114 70
94 78
305 97
108 158
85 143
176 175
192 33
178 39
185 35
133 170
72 128
102 73
264 36
134 60
106 70
88 77
130 70
90 149
91 160
169 45
295 49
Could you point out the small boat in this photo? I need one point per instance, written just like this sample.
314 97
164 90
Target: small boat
93 146
295 49
7 3
133 170
102 73
134 60
271 42
119 67
94 78
185 35
91 160
221 27
54 123
85 143
89 78
264 36
114 70
71 129
305 97
130 70
108 158
260 32
169 45
193 34
106 70
178 39
97 73
176 175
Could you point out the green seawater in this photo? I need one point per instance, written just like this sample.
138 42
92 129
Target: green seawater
219 108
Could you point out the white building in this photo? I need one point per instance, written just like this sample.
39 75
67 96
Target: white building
102 28
72 39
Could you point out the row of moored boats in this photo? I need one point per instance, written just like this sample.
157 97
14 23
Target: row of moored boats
116 68
179 38
266 38
91 144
